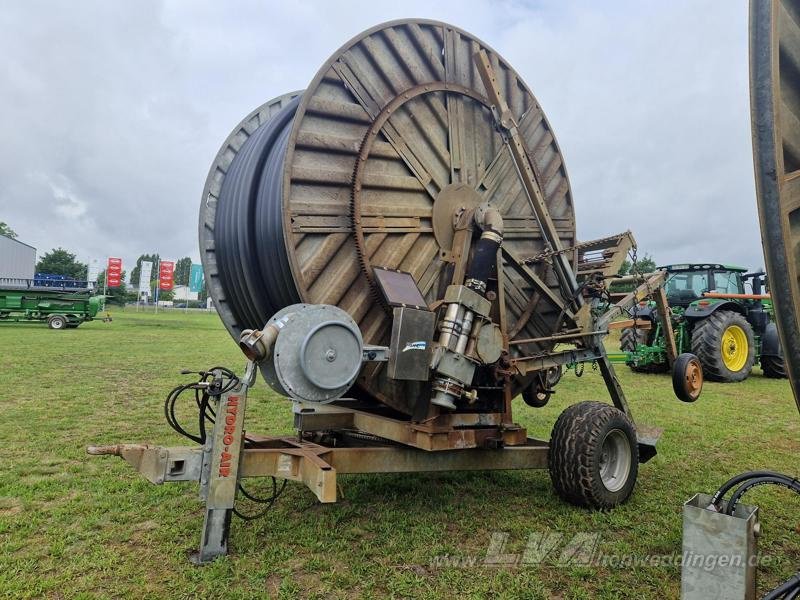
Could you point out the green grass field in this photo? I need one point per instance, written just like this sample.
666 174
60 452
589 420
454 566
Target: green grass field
74 526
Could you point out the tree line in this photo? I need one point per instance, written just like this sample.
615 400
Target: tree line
62 262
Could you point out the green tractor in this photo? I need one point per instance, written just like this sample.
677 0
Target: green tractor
714 318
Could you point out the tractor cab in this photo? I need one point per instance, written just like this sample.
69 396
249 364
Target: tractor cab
686 283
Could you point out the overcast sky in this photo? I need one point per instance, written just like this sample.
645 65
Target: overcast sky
112 112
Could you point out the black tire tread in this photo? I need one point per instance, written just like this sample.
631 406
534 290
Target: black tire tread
574 446
706 342
774 367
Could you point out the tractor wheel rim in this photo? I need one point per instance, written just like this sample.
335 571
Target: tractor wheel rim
694 378
735 348
615 460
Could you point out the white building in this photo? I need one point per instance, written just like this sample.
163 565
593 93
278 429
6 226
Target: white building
182 293
17 260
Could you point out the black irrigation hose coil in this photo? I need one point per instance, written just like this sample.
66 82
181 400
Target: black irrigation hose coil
316 188
251 251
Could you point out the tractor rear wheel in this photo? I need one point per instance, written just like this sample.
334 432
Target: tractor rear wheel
774 367
594 456
725 344
634 336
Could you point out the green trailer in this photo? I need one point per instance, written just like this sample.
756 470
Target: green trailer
59 307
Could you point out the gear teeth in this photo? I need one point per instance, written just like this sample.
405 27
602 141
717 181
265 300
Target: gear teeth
360 242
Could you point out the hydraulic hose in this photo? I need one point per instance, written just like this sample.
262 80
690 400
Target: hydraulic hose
734 481
251 253
791 484
790 589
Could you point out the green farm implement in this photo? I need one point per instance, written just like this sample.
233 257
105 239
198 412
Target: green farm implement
713 317
62 307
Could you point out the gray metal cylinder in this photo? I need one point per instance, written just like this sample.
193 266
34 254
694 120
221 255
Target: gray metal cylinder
317 353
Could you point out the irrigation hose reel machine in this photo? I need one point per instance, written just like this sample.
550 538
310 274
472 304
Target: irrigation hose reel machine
394 249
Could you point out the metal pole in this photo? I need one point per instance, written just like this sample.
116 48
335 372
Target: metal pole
158 282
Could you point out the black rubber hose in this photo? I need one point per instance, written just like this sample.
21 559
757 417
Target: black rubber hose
784 481
795 593
790 589
787 587
734 481
483 259
248 235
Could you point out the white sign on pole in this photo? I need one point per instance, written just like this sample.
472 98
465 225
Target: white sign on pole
93 271
144 277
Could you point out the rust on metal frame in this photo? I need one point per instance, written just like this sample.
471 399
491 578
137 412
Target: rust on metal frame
317 466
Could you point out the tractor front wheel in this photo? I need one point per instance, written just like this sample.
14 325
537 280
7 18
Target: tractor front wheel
594 456
725 344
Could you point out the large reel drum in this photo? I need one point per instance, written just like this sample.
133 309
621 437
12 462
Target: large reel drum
365 169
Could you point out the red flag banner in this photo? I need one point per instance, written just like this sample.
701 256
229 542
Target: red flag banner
166 273
114 272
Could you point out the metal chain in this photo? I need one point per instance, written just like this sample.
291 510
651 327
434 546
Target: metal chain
577 372
634 260
635 272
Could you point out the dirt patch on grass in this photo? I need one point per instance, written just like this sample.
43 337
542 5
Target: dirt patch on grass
10 506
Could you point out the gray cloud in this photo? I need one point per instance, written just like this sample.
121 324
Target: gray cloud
113 111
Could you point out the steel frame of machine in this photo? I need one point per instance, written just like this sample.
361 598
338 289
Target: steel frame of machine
389 442
220 464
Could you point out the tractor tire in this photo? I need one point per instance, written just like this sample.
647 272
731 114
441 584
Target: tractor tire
687 377
774 367
632 337
57 322
594 456
725 344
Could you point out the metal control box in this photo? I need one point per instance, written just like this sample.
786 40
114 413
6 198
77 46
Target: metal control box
719 551
410 348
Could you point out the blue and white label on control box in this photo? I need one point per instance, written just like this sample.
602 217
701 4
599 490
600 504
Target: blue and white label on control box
421 345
